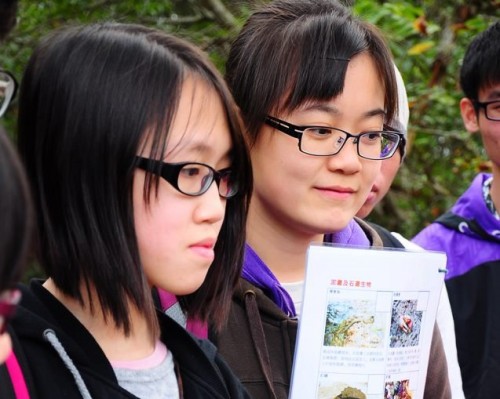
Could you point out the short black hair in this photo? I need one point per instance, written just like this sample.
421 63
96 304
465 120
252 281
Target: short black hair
481 63
17 215
88 97
292 51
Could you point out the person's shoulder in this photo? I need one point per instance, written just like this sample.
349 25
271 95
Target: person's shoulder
246 291
430 234
388 239
31 313
40 310
180 341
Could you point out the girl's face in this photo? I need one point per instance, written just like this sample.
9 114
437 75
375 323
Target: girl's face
176 233
311 195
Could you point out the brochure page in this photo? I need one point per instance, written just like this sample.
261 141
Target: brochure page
366 323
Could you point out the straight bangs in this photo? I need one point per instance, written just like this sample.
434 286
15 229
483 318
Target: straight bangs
287 55
491 72
320 70
319 74
485 71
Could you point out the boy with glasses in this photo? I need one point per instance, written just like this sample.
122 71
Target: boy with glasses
470 232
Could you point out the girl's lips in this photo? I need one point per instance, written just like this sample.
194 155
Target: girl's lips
204 248
336 192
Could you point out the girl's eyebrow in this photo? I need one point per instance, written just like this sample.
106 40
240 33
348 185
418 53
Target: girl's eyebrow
196 147
330 109
191 146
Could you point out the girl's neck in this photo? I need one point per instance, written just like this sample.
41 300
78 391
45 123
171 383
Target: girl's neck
282 248
113 341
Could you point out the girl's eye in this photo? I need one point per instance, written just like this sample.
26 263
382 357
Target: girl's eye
319 131
372 136
190 171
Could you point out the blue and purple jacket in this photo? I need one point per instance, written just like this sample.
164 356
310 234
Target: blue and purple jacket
472 245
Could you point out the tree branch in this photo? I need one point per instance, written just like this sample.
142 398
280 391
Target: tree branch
220 13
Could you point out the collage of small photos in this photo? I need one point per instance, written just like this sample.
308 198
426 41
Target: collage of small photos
371 344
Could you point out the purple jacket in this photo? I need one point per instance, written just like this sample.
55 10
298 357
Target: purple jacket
472 282
465 250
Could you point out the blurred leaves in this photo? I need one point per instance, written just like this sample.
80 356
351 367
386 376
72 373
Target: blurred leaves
421 47
427 37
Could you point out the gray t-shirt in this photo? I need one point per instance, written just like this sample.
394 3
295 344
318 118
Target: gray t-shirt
157 382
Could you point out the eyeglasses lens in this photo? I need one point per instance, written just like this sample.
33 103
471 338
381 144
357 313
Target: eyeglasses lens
195 179
227 187
493 111
322 141
389 145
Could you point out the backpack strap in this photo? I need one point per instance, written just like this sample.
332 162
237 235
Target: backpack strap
16 377
388 239
461 224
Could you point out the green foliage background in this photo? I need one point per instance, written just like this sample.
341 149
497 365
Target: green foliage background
427 37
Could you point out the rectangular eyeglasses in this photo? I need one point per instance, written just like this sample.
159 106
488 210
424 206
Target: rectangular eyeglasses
326 141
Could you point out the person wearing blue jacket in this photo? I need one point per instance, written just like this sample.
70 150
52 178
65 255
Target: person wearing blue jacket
469 232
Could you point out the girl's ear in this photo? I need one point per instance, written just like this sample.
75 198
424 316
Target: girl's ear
469 115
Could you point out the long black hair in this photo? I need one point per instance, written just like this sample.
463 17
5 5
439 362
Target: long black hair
88 98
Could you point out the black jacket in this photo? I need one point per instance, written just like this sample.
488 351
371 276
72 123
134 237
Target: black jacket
42 318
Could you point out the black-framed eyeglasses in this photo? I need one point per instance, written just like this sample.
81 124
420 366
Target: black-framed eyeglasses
191 178
8 89
491 109
326 141
8 303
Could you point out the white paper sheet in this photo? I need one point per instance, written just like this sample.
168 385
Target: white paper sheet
366 323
